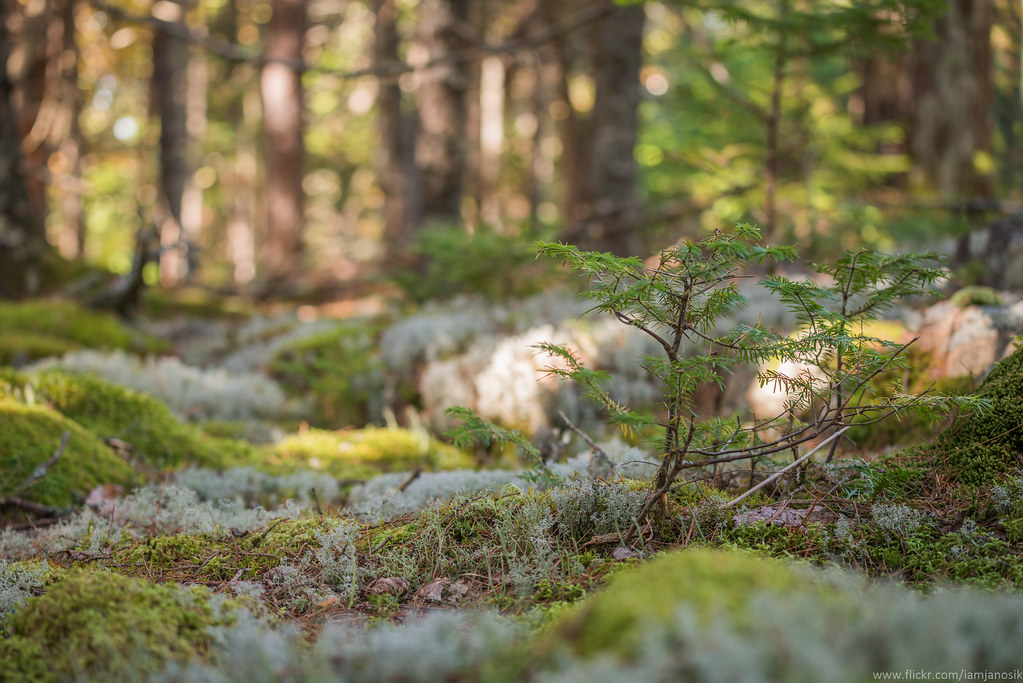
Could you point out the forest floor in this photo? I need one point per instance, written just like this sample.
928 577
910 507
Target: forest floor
208 516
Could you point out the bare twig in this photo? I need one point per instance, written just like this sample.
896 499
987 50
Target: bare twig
788 467
37 474
35 508
590 442
408 482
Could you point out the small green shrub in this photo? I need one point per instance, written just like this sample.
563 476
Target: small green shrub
483 263
339 372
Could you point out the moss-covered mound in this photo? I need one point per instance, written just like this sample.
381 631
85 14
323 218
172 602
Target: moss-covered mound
30 435
158 439
338 371
712 582
985 446
35 329
354 454
103 626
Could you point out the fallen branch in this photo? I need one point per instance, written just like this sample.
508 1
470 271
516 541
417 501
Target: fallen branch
37 474
415 475
585 437
788 467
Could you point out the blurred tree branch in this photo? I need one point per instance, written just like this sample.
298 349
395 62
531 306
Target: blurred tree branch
199 35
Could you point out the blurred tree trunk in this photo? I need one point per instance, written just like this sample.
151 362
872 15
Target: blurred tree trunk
283 122
30 97
22 232
601 167
66 136
441 148
953 91
394 151
238 181
49 104
168 95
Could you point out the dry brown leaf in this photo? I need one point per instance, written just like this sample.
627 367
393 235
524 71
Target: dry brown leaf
443 591
388 585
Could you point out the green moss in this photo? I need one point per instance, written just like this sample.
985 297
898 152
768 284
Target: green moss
158 438
976 296
103 626
194 303
712 582
927 557
983 446
25 347
29 436
33 329
218 557
364 452
339 371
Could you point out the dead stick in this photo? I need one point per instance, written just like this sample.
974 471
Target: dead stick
788 467
581 433
415 475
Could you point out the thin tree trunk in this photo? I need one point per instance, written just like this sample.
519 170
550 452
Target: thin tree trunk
169 93
773 126
67 137
604 217
392 149
283 120
191 194
954 88
34 100
491 139
22 236
441 148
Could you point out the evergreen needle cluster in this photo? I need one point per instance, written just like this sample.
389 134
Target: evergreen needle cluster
842 375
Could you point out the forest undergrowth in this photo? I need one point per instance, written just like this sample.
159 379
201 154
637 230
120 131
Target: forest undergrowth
185 525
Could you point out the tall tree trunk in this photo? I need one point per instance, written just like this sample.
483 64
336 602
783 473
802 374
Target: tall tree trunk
441 145
954 89
22 233
394 147
168 95
49 105
66 137
492 87
283 121
605 215
34 105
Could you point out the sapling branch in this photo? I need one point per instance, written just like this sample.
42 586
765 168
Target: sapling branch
690 291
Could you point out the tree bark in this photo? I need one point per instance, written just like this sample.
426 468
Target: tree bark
604 216
441 148
168 95
953 89
283 121
22 232
394 157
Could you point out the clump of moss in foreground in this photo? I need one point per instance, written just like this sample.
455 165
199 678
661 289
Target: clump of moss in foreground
701 615
107 627
29 437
